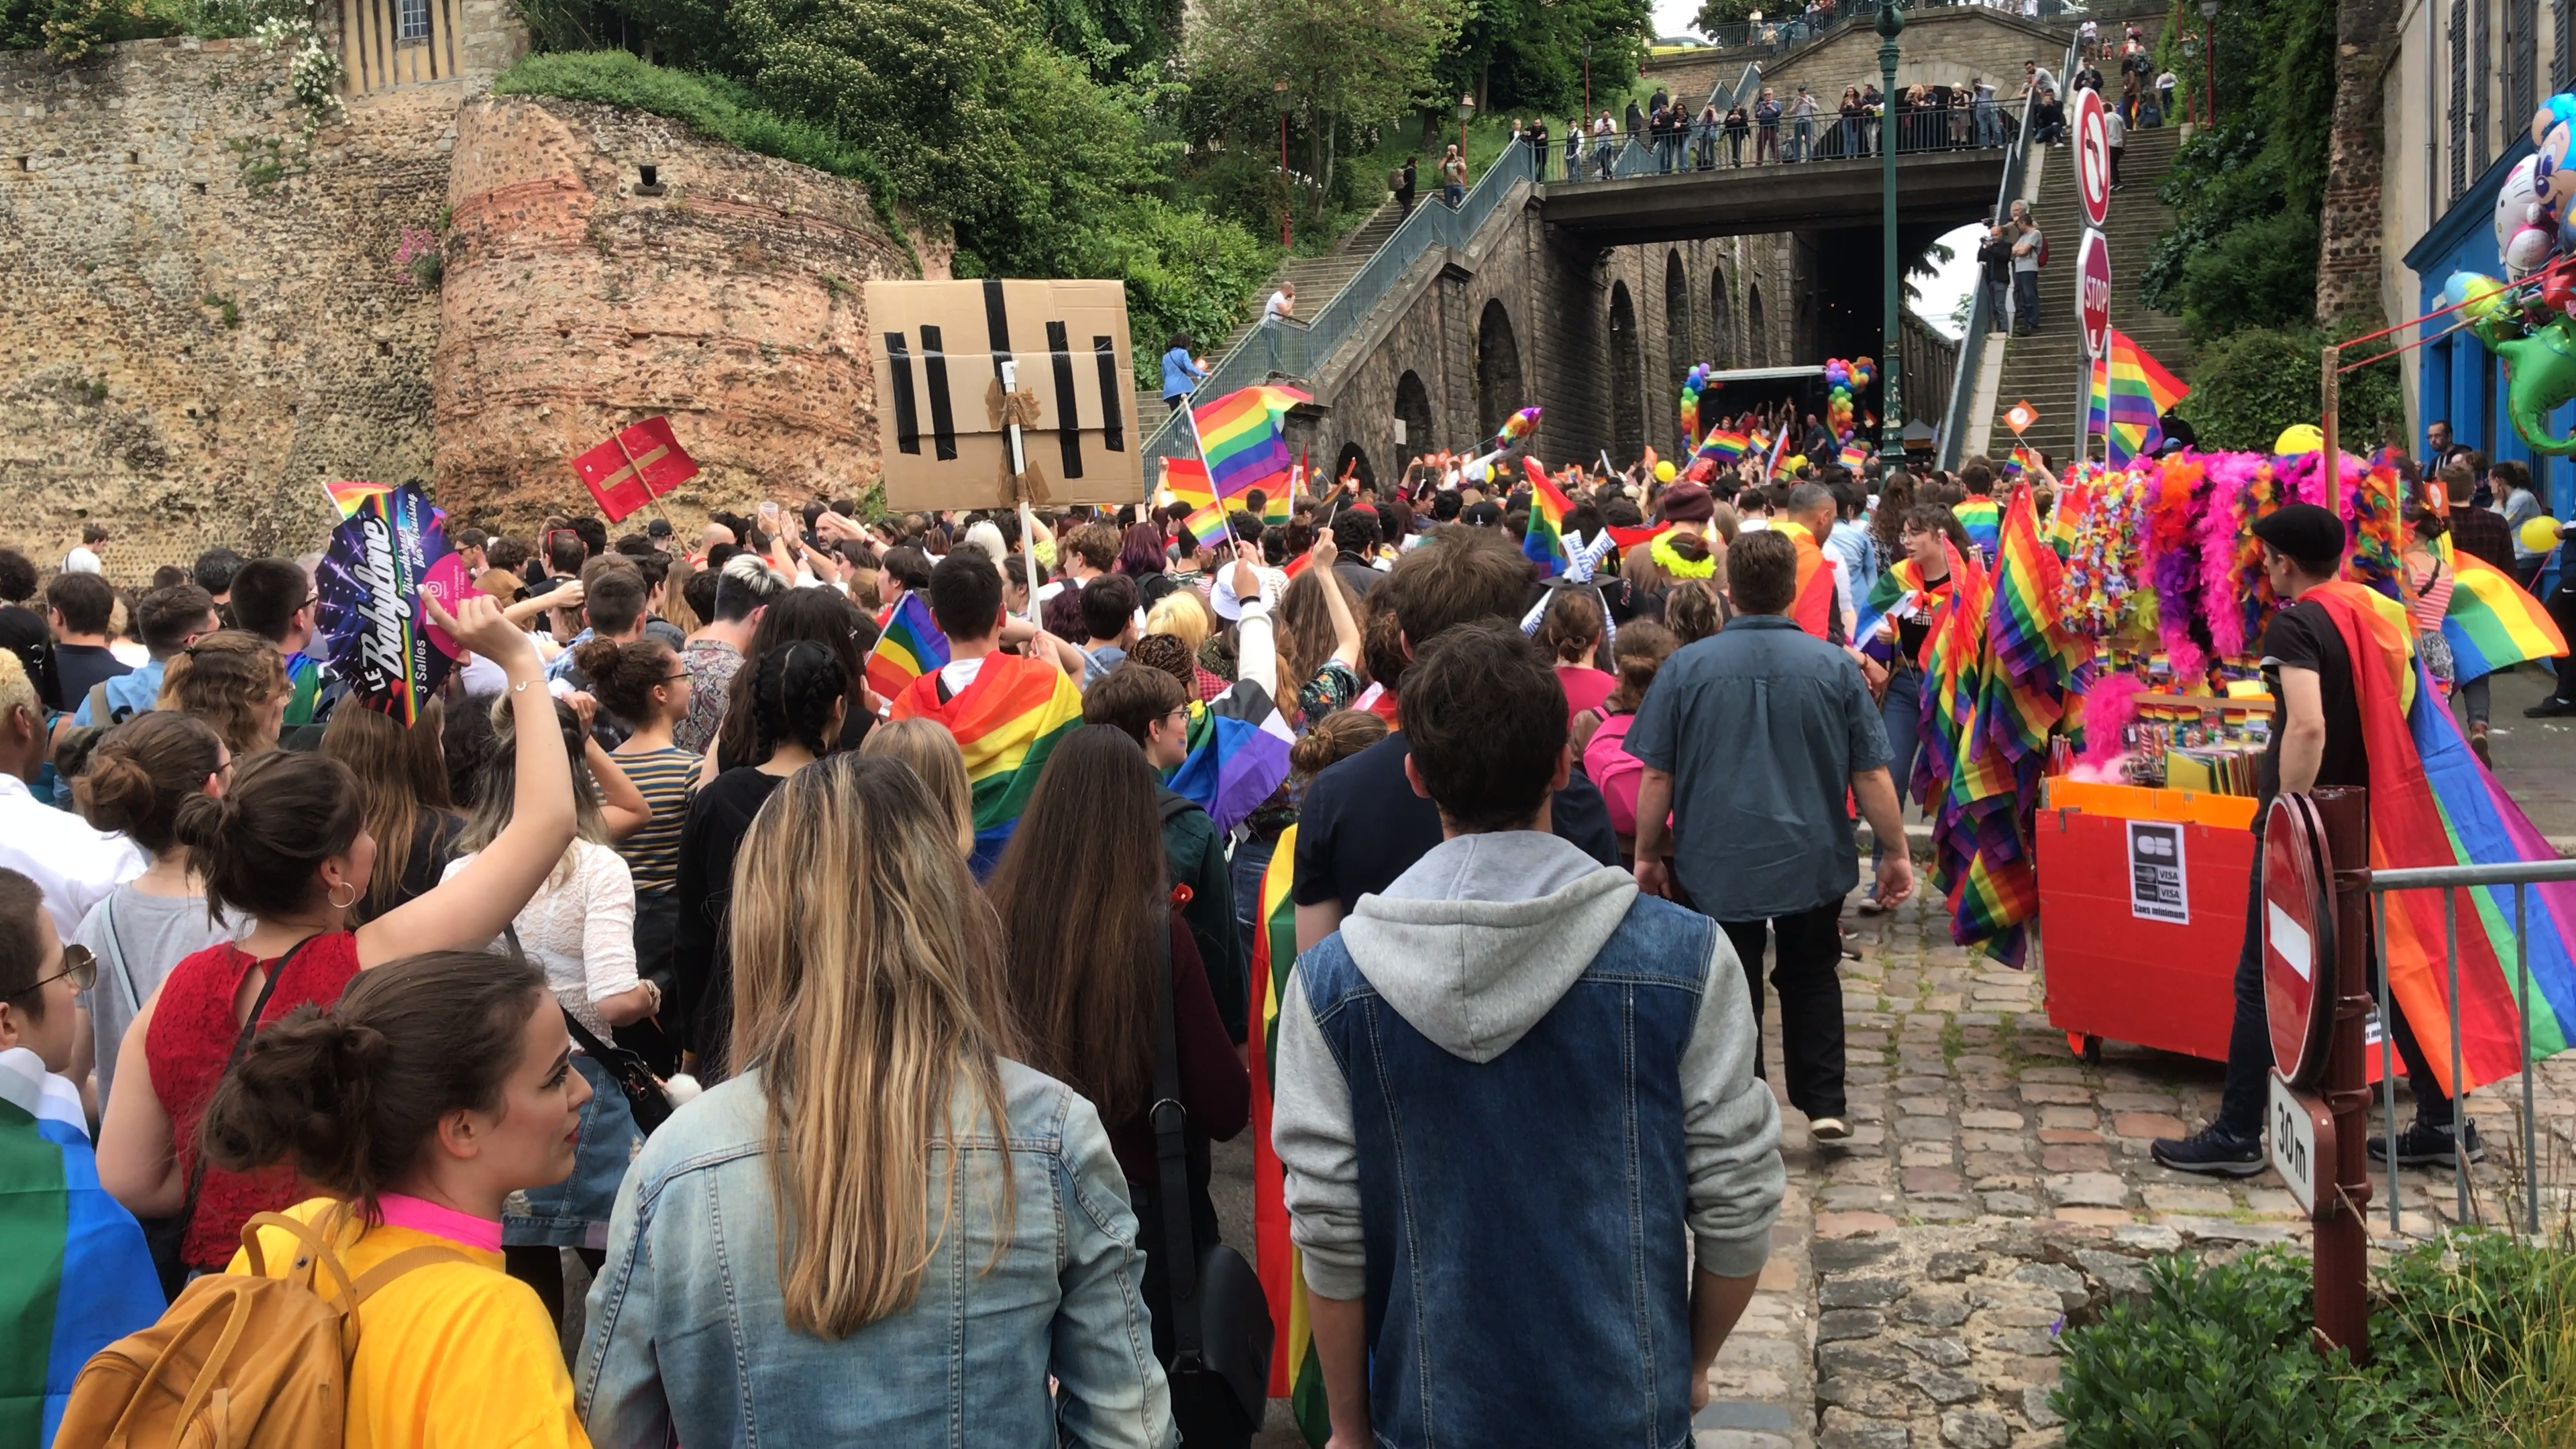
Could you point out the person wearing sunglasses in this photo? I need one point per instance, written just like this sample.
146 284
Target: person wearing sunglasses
274 598
61 1227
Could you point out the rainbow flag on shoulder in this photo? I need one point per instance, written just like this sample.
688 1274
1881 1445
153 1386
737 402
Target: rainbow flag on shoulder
77 1276
1984 521
1007 722
910 647
1296 1374
2492 622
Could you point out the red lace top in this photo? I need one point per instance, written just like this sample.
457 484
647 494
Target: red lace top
193 1030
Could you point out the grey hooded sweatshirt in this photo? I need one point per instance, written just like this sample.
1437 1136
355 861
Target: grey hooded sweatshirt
1472 947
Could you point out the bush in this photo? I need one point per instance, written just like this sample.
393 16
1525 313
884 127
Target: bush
1185 272
2249 385
2262 273
2219 1356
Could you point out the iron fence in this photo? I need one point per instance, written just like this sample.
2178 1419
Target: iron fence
1706 145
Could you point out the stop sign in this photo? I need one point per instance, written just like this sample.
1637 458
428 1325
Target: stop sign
2093 291
2092 156
2298 938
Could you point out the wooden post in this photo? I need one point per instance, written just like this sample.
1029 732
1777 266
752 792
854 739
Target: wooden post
2330 384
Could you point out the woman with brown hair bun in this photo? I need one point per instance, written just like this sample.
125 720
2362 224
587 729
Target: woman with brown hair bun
438 1086
234 681
402 783
286 849
1087 921
138 777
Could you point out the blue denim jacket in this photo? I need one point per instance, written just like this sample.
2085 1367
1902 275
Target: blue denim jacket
688 1339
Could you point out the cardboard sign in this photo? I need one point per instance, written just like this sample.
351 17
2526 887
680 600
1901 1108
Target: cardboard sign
370 621
943 413
635 466
2159 882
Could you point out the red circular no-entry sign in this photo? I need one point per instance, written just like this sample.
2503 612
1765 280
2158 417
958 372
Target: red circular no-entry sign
2298 938
2092 156
2093 292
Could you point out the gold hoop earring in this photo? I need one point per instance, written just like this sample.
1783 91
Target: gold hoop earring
338 904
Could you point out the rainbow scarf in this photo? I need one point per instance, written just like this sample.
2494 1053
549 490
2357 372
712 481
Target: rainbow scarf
1983 519
2492 623
1813 605
910 647
1244 441
1007 722
1543 543
2433 804
1296 1374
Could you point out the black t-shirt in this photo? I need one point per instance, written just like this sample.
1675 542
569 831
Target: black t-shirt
78 667
1360 825
1915 624
2304 636
23 633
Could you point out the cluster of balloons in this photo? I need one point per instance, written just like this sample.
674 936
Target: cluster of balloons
1843 379
2528 317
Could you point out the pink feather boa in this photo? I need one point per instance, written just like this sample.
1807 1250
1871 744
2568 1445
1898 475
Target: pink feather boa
2108 708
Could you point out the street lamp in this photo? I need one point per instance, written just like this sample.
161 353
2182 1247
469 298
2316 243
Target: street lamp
1279 99
2209 19
1587 82
1466 110
1891 407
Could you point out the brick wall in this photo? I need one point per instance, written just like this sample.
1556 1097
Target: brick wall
2350 234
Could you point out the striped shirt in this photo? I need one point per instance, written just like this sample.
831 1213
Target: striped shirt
667 777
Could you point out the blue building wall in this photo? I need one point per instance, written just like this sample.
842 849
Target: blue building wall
2459 380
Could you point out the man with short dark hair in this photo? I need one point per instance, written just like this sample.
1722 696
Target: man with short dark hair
213 572
1360 826
473 550
744 586
79 607
1355 536
1109 624
1751 739
84 559
1514 1043
22 630
274 598
168 620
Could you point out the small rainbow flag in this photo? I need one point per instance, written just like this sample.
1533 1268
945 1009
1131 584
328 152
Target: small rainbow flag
1244 442
1983 520
2492 623
1007 722
910 647
1724 445
1853 456
1238 755
1544 540
1186 479
349 495
2130 392
1296 1374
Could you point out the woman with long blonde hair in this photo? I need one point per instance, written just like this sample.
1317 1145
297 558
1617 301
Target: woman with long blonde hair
233 680
931 751
905 1213
402 784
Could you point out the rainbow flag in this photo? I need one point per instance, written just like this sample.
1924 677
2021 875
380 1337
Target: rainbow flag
1544 540
1983 518
1296 1374
349 495
1186 479
1853 456
1724 445
1244 443
910 647
2492 622
2130 392
2433 804
1238 754
2035 656
64 1233
1007 722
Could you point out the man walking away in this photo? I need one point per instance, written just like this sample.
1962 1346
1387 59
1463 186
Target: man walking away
1512 1040
1750 739
84 559
2316 740
2116 131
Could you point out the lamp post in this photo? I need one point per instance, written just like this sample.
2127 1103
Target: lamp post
1587 82
1466 110
2209 22
1287 208
2190 53
1891 407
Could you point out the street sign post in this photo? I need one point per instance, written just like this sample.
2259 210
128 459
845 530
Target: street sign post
2303 1147
2093 291
2092 156
2298 939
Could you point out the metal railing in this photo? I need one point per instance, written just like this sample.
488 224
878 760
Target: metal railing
1792 141
2450 880
1962 401
1777 37
1277 349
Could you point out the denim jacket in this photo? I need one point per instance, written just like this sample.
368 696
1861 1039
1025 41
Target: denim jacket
688 1340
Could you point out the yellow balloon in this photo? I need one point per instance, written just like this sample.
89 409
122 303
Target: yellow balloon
2298 439
2539 534
1664 472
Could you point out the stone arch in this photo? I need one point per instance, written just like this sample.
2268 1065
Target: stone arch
1627 379
1499 390
1413 407
1721 311
1352 453
1680 346
1754 356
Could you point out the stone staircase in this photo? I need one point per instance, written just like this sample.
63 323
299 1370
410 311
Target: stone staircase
1318 279
2046 369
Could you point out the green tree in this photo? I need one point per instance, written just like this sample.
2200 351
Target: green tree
1714 13
1519 56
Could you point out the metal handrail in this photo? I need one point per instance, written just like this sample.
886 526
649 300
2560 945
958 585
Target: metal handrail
1972 343
1288 349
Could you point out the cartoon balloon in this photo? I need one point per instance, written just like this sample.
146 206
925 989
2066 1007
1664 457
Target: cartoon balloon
2474 295
2516 199
2524 254
2298 439
2556 110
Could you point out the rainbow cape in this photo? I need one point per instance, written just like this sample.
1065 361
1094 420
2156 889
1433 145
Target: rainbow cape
2433 804
1238 754
2492 623
65 1233
1244 442
910 647
2131 391
1813 607
1296 1374
1544 540
1983 518
1007 722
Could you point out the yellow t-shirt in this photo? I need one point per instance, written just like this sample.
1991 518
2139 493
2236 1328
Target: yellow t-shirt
450 1356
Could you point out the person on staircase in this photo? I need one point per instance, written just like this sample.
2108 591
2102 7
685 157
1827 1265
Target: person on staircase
2027 249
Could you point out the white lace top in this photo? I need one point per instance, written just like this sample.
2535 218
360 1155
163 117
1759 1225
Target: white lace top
582 931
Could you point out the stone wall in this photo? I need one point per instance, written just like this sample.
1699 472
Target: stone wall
1946 47
201 320
727 294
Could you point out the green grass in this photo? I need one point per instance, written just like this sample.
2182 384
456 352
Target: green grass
718 108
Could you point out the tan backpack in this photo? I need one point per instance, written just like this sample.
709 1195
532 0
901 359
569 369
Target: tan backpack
239 1362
